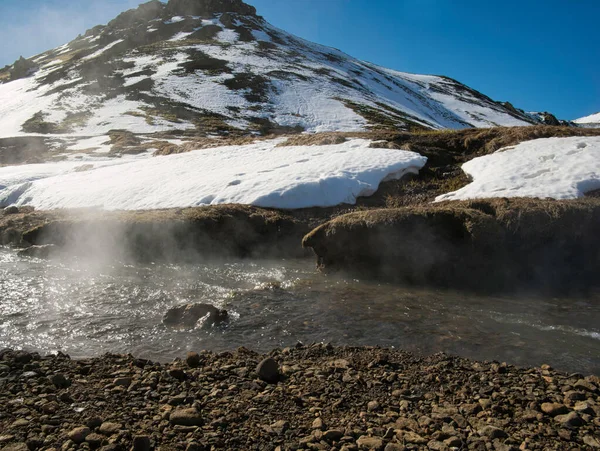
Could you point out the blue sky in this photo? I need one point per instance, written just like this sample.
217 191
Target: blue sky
540 55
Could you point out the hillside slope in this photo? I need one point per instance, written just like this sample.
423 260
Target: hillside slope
204 67
591 121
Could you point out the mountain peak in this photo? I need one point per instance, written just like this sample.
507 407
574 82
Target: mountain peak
156 9
205 68
209 7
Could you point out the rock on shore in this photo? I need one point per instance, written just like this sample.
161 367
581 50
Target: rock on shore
325 398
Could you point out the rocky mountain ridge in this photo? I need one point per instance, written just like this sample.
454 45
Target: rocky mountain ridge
215 68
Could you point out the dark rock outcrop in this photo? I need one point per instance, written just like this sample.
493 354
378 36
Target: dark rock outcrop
141 14
549 119
208 7
12 210
22 68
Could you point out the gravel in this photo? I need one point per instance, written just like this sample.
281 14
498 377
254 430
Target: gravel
316 397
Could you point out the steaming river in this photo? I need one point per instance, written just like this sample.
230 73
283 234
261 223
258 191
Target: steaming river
88 310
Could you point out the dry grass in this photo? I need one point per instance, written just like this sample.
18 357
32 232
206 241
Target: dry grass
316 139
203 143
121 139
465 144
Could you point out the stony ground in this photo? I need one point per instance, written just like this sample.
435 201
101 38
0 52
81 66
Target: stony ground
308 397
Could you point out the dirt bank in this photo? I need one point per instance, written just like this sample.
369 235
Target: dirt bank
487 245
305 398
223 231
499 244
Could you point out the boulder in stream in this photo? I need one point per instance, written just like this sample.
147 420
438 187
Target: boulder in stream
189 315
42 251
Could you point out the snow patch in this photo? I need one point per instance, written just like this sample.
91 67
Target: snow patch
259 174
101 143
102 50
174 19
228 35
591 121
560 168
181 35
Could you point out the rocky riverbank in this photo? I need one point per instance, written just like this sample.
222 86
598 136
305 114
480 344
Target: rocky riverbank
315 397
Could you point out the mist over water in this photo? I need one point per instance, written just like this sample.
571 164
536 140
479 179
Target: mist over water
85 310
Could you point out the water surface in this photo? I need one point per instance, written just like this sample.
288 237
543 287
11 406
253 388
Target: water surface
84 310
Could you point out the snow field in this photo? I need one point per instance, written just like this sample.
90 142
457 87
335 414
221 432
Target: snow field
258 174
560 168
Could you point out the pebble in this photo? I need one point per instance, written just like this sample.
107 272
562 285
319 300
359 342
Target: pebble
394 447
21 422
122 382
193 359
95 440
317 424
59 380
373 406
268 371
109 428
12 210
374 443
93 422
79 434
553 409
492 432
141 443
16 447
279 427
333 435
411 437
572 396
582 384
570 420
186 417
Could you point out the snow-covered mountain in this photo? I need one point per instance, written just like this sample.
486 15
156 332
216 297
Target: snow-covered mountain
205 67
591 121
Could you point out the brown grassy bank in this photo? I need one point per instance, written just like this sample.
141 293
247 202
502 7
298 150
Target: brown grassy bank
499 244
223 231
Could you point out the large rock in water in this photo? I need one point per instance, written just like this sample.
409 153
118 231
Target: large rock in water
43 251
188 315
490 245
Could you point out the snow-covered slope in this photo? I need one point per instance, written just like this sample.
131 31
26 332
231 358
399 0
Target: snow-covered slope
560 168
593 121
260 174
202 67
